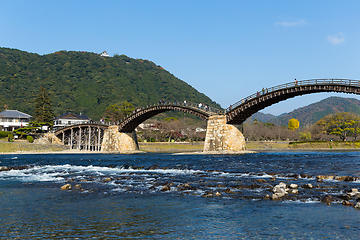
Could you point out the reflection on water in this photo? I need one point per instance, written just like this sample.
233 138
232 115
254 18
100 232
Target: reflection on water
115 196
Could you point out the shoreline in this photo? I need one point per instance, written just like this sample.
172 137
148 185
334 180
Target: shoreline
185 148
74 151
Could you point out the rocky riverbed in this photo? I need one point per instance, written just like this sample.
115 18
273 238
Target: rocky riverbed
327 189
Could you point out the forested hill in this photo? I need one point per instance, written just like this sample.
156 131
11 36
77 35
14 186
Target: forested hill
312 113
86 82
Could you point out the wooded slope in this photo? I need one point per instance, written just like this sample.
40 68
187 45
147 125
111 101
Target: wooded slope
312 113
87 83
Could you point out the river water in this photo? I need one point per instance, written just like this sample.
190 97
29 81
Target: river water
206 196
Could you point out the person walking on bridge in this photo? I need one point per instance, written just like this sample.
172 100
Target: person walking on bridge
185 103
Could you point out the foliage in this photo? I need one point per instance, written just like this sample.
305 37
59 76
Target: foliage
312 141
259 131
341 124
170 119
10 137
269 124
305 135
312 113
293 124
4 134
43 107
117 111
31 128
170 130
88 83
30 139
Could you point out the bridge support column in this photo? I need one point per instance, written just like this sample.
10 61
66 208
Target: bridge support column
223 137
115 141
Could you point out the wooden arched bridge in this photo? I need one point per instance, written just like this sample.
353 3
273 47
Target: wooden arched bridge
89 135
129 123
243 109
222 126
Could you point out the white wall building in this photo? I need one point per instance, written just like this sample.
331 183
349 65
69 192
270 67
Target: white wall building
13 119
104 54
70 119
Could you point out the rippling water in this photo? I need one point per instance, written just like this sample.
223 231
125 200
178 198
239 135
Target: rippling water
205 196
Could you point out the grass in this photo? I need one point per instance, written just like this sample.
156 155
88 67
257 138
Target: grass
325 145
320 145
24 146
170 147
267 145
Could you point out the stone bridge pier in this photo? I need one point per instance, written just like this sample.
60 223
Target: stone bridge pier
223 137
115 141
220 137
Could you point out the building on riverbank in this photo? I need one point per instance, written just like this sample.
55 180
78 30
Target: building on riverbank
70 119
13 119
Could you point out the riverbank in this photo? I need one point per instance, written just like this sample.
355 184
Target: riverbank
252 146
24 147
20 146
171 146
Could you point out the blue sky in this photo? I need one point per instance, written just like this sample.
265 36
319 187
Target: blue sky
225 49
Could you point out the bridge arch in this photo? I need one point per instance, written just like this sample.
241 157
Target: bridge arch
142 114
85 136
243 109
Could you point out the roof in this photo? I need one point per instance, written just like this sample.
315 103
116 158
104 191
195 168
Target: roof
70 115
14 114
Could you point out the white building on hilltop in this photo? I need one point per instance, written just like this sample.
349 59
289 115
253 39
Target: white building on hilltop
13 119
104 54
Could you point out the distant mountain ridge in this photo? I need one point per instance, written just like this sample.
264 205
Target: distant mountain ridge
312 113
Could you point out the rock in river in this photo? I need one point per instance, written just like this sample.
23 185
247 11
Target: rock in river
66 187
165 188
327 199
279 191
354 192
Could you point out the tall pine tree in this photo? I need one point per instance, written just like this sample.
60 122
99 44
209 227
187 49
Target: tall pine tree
43 108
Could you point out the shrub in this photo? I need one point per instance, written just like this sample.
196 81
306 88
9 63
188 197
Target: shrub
4 134
30 139
10 137
305 135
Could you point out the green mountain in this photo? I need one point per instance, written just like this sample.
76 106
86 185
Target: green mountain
312 113
87 83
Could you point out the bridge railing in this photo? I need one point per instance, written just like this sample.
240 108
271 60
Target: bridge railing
345 82
197 106
105 123
202 107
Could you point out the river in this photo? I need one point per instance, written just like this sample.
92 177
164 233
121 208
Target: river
177 196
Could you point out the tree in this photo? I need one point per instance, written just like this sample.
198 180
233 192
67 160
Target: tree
293 124
305 135
268 131
341 124
118 111
43 107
